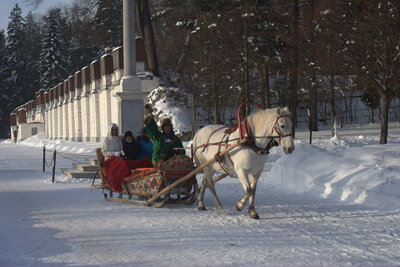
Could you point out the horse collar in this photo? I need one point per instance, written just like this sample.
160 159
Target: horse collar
271 143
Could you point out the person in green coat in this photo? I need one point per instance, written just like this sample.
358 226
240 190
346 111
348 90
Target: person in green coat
165 142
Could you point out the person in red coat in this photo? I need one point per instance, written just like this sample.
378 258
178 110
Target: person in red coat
115 167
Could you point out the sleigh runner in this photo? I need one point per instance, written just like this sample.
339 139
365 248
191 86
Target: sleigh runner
144 183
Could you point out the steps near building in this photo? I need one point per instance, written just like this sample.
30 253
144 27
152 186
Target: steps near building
81 171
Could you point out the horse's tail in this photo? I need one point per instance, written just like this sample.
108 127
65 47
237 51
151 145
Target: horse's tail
196 160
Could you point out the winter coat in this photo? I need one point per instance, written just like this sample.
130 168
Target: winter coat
146 149
111 144
163 144
131 150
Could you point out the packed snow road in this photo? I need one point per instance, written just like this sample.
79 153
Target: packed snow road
303 223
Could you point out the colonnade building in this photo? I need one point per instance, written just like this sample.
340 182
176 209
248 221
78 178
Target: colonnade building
81 107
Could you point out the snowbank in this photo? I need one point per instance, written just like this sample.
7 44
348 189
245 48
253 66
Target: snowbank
41 140
335 169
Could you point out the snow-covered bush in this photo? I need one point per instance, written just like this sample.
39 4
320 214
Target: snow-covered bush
170 102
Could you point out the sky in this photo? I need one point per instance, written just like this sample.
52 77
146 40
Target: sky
7 5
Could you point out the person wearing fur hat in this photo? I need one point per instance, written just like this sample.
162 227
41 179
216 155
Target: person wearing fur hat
165 142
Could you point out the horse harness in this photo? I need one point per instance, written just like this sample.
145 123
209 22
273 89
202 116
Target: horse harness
244 133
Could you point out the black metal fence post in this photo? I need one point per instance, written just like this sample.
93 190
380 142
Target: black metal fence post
309 123
44 159
54 166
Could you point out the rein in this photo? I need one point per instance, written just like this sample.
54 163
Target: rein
246 136
245 133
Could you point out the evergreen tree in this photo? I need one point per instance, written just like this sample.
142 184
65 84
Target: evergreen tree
82 49
6 92
108 23
31 31
15 50
53 56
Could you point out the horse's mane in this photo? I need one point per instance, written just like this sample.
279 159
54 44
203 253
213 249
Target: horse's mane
259 118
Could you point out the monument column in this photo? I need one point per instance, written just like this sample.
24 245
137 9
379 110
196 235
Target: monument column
130 96
129 38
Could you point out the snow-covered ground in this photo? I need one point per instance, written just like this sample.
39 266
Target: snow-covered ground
333 203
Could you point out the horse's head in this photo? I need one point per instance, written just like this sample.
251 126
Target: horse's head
272 127
282 129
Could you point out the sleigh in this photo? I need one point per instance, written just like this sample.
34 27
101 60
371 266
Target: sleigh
145 183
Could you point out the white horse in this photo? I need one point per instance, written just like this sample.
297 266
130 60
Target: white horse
268 128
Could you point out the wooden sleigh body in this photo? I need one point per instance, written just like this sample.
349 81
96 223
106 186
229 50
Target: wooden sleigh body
144 183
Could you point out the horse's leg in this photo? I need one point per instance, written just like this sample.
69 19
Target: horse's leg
210 184
201 206
254 179
242 176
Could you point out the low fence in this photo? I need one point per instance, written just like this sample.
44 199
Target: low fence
51 162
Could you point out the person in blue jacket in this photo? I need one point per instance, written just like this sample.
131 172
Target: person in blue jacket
146 146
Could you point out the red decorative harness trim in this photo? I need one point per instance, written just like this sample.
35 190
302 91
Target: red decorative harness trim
244 130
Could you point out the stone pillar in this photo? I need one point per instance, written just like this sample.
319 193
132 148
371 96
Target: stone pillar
94 101
118 64
130 98
21 122
129 37
29 111
41 106
13 126
65 115
22 115
71 107
47 118
36 111
53 113
78 106
85 100
60 100
106 69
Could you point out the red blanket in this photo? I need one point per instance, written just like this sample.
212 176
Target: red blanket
117 169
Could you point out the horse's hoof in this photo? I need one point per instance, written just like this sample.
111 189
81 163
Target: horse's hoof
254 216
239 207
201 208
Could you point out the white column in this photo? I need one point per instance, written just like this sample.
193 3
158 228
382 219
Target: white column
53 104
85 102
129 38
48 118
71 107
65 114
60 111
78 107
94 101
106 69
130 98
